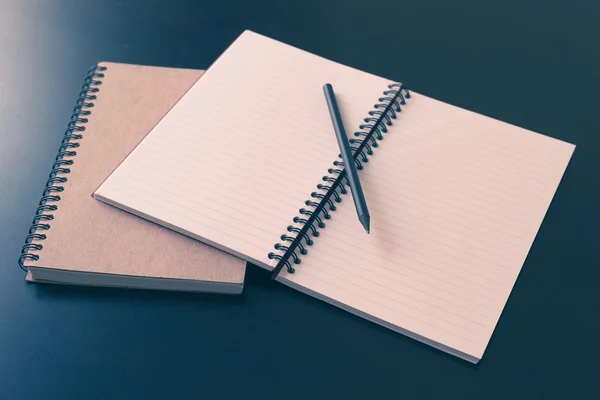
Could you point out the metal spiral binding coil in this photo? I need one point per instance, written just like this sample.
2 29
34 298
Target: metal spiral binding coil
60 167
331 191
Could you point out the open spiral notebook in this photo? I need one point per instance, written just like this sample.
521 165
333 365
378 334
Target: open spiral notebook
456 198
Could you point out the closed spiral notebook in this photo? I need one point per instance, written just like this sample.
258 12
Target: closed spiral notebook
75 239
455 198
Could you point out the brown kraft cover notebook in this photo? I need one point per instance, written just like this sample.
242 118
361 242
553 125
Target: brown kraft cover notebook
78 240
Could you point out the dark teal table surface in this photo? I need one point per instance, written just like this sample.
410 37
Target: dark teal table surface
532 63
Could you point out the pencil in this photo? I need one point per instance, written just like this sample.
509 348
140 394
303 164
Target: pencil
351 172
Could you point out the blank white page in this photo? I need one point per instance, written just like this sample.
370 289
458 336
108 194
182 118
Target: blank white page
236 158
456 200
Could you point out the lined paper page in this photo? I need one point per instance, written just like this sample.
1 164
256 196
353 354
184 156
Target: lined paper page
240 153
456 200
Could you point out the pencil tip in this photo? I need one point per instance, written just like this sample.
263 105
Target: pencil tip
365 220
